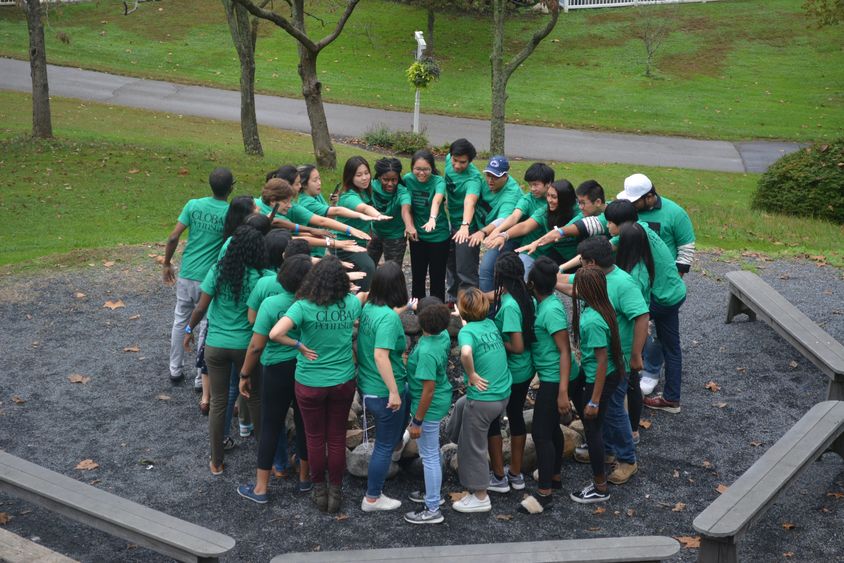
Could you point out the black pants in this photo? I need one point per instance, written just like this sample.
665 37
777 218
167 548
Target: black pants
546 432
581 392
428 259
515 412
277 395
634 400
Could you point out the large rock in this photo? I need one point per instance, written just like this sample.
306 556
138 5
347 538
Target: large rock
352 420
410 324
354 438
528 414
357 462
577 426
529 458
357 408
571 439
411 450
416 469
454 326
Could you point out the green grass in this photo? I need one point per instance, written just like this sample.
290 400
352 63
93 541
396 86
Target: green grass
119 176
733 69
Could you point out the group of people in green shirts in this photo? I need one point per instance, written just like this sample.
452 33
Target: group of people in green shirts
271 275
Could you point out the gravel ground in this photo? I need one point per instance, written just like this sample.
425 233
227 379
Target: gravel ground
154 450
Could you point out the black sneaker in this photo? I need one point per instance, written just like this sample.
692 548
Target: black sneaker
177 379
589 494
419 498
424 516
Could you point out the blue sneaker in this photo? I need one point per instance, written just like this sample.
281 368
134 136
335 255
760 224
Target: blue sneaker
305 486
248 491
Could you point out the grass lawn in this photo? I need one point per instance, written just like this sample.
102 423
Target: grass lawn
733 69
120 176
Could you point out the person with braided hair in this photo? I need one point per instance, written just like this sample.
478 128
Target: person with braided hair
224 295
514 318
596 341
391 199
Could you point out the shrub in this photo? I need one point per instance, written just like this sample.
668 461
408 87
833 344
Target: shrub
807 183
400 142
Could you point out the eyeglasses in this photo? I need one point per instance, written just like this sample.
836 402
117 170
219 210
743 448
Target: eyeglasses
421 169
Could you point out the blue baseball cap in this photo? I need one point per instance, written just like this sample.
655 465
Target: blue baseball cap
498 166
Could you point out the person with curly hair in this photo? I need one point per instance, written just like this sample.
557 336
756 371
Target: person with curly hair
225 291
324 313
391 199
428 254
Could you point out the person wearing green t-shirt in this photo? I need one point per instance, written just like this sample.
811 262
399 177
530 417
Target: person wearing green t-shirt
382 378
514 314
391 199
488 381
595 335
203 219
429 253
552 359
225 290
324 313
430 396
277 373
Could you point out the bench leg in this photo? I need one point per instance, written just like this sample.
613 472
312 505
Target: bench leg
838 446
836 389
736 307
717 550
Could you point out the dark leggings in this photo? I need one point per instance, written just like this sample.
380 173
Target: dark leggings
515 412
581 392
634 401
428 259
277 395
547 434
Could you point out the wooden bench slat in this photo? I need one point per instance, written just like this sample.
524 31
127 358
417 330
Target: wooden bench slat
604 550
736 509
15 549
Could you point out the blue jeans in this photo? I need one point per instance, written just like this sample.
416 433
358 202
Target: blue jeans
429 451
389 428
486 271
666 348
618 436
527 262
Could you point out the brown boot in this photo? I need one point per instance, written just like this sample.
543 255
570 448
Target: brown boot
335 498
622 472
319 494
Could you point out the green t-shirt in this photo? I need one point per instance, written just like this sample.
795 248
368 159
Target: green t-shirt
497 205
421 196
640 275
204 219
550 319
266 287
228 323
327 330
670 222
531 208
668 288
262 207
457 186
626 299
317 205
428 362
540 216
567 246
271 310
380 327
594 333
389 204
350 199
490 359
508 319
298 214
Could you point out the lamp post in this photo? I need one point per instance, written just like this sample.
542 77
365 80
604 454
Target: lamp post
420 50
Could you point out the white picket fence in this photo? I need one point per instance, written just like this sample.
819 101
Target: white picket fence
580 4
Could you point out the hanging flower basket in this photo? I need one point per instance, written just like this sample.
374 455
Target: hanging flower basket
423 72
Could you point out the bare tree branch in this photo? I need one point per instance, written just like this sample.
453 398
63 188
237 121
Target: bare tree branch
537 38
281 22
310 15
350 7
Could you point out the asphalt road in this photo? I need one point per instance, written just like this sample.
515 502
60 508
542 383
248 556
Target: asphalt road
566 145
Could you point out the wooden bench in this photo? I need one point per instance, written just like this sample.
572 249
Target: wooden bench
752 296
644 548
119 517
723 522
15 549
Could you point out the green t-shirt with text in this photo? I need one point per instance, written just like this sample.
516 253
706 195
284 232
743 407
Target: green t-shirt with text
490 360
228 323
493 205
271 310
509 319
266 287
380 327
204 219
428 362
550 319
421 197
670 222
389 204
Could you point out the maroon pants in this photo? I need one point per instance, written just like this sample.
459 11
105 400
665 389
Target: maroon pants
325 411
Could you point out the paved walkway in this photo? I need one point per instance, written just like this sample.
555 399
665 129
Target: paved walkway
565 145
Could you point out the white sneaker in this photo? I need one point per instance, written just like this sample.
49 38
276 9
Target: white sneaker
382 503
405 439
648 383
471 503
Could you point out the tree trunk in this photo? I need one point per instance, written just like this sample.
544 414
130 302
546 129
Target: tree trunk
244 36
42 125
499 80
324 152
429 39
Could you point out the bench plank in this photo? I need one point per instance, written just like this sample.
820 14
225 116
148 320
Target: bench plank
603 550
738 508
102 510
15 549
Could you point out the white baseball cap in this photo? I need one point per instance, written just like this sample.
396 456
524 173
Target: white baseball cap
635 187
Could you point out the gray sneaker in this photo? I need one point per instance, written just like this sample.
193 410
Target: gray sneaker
197 382
419 497
497 485
424 516
517 482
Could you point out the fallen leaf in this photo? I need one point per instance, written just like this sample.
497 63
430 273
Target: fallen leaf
595 529
792 364
79 295
78 378
457 496
825 509
599 510
788 526
94 482
788 554
18 400
134 171
679 507
707 464
504 517
722 488
134 348
644 423
835 494
712 386
755 444
631 512
741 370
114 304
134 317
676 474
4 518
342 516
159 259
720 405
689 542
163 397
183 171
87 465
108 263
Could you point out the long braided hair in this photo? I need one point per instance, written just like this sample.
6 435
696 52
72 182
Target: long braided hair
246 250
590 284
510 277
